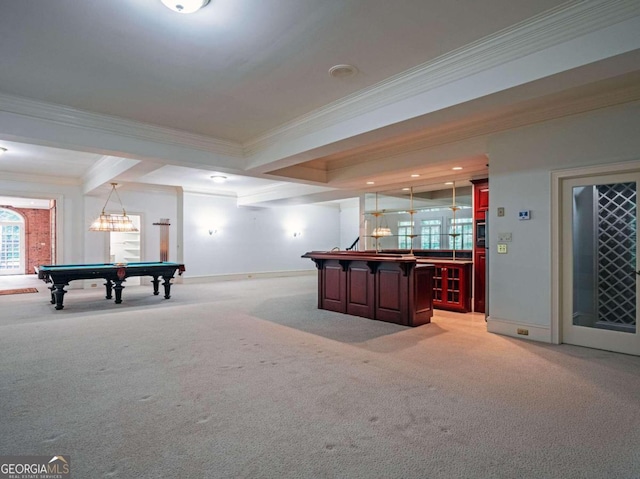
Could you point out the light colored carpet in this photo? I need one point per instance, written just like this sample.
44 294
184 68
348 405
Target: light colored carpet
247 379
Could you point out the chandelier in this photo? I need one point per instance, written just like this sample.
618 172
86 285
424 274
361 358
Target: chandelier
113 222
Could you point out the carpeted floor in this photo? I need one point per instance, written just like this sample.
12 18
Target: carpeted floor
247 379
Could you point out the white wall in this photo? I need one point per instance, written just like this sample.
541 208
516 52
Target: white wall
253 240
521 162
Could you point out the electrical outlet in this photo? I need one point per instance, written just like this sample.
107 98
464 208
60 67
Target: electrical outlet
502 248
523 332
94 285
504 237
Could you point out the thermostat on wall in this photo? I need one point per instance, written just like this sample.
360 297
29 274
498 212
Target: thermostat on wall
524 215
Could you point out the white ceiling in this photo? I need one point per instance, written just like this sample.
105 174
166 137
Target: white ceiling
241 88
236 68
43 160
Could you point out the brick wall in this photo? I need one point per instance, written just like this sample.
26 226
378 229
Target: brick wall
37 236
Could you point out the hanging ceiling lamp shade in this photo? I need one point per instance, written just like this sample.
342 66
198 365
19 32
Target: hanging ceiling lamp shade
113 222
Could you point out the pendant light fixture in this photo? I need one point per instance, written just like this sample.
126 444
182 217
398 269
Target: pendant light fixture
379 231
113 222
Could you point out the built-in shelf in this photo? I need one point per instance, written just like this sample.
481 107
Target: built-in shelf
125 247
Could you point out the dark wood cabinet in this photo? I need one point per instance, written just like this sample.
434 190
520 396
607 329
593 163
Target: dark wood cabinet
482 197
452 286
481 208
479 269
388 287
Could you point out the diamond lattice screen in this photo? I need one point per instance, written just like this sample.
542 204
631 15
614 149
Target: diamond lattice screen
617 255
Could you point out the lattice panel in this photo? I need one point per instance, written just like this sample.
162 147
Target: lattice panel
617 255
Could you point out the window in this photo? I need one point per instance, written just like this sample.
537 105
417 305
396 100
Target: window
404 234
461 234
430 232
11 229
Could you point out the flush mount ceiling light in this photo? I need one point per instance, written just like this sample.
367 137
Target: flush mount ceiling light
219 178
185 6
342 71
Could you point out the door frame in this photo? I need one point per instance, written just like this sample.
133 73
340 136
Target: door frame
558 179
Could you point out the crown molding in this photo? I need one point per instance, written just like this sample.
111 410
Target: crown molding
67 116
550 28
51 180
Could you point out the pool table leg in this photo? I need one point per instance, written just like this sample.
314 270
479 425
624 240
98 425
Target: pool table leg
57 294
167 286
156 283
109 286
118 289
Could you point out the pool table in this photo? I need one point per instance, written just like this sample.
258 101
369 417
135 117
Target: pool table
115 274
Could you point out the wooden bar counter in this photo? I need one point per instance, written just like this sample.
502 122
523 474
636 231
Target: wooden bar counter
386 287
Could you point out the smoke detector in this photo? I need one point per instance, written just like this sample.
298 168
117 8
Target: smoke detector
342 71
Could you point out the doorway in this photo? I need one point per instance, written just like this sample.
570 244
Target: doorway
600 268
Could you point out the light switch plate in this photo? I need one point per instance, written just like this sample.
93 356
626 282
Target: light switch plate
502 248
501 211
504 237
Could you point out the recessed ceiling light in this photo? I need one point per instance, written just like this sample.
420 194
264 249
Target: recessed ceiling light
2 151
371 182
185 6
219 178
342 71
415 175
457 168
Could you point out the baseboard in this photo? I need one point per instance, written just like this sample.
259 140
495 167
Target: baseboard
520 330
237 276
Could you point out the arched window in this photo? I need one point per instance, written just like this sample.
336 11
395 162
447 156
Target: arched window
11 242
